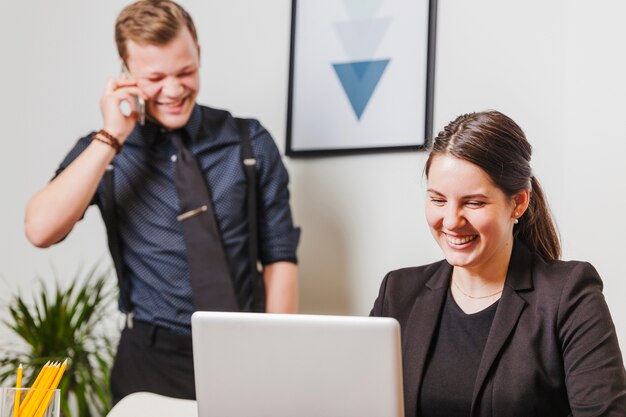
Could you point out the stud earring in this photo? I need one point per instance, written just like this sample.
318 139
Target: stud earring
516 221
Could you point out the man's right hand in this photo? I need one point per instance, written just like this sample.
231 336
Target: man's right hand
53 211
116 91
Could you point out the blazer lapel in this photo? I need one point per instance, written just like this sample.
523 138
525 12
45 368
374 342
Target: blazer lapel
508 312
419 331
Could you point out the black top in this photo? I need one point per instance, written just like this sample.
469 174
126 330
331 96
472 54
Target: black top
453 361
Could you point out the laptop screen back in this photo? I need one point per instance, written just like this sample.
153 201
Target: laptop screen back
249 364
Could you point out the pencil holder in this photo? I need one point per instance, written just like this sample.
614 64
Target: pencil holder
32 402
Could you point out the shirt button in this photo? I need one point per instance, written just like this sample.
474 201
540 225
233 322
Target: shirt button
173 158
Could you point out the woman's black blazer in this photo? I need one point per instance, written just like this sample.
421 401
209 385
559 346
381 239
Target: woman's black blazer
552 349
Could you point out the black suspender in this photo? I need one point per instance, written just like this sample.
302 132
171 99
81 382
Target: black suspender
249 164
110 218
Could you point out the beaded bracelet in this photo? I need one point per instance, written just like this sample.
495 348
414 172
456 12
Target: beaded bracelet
107 138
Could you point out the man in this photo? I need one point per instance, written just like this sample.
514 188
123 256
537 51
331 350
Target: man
134 173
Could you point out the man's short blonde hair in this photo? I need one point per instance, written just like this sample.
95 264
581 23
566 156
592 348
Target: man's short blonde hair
153 22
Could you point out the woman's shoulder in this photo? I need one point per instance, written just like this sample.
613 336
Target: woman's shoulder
558 282
401 287
564 271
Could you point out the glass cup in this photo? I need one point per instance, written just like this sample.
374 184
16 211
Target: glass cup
35 399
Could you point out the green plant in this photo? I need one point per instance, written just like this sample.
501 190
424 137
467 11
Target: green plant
65 323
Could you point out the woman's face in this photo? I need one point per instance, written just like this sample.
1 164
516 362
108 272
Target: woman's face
469 216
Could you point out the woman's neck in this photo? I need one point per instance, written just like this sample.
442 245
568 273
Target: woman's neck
476 288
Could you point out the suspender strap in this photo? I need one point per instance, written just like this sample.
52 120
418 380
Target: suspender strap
110 220
249 164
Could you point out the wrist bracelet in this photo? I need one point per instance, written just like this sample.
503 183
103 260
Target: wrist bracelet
105 137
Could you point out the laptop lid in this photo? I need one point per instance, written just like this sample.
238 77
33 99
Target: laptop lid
279 365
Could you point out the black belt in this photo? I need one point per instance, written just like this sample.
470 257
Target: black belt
159 337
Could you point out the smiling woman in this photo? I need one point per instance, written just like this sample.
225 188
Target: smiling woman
501 307
472 221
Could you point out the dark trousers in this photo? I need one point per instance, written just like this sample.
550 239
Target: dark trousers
153 359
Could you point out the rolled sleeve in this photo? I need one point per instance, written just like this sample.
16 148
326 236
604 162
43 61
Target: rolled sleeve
278 238
78 148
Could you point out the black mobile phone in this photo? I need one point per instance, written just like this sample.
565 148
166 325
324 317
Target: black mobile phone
139 105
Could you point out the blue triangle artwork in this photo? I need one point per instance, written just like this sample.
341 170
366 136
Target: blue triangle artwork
359 80
361 36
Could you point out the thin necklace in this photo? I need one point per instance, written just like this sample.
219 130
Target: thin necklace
472 296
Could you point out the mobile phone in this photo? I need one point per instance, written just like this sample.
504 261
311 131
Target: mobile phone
139 105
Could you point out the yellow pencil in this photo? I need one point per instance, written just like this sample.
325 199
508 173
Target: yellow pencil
46 401
40 392
18 385
35 385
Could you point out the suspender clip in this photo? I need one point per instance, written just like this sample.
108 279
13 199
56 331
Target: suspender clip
129 319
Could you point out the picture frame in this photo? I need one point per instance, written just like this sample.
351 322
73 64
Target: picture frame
361 76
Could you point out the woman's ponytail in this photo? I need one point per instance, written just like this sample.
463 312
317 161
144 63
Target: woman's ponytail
536 228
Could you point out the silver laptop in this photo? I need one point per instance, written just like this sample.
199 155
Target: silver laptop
274 365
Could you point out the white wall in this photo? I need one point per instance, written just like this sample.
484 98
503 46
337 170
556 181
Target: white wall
556 67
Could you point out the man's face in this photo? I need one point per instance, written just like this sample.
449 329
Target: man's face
169 75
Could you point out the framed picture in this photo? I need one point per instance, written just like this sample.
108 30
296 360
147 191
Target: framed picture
361 76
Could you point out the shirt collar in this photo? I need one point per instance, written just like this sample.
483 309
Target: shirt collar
150 133
194 123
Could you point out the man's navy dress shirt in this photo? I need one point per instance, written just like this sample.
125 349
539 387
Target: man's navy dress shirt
151 239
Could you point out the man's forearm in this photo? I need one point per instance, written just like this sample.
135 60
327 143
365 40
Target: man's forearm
53 211
281 287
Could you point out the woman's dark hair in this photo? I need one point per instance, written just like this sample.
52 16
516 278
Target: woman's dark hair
495 143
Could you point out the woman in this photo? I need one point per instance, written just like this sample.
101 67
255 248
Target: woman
501 327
